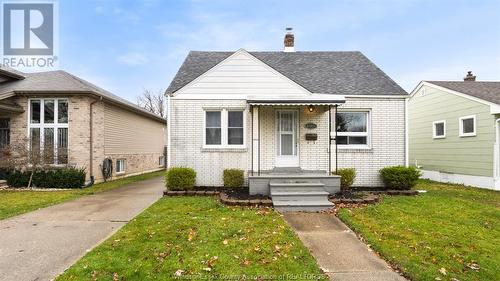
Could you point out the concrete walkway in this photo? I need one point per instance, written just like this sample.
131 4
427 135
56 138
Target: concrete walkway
42 244
338 250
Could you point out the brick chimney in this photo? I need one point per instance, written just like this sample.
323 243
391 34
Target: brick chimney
469 76
289 40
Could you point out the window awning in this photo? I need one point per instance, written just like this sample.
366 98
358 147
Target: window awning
314 99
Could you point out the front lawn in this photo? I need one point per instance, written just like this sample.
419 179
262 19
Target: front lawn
197 237
450 232
18 202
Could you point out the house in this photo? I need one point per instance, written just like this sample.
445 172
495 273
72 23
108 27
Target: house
454 131
272 114
73 122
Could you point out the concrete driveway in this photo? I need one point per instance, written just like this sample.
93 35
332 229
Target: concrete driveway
42 244
337 249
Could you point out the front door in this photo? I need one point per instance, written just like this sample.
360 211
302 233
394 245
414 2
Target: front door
287 138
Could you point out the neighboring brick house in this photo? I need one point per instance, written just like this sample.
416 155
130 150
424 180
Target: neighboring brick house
269 113
79 124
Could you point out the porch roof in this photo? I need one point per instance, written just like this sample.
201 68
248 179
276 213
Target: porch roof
313 99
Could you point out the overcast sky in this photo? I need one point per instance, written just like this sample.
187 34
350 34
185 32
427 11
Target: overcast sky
128 46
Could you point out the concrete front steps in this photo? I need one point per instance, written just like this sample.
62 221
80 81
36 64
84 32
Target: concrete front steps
299 195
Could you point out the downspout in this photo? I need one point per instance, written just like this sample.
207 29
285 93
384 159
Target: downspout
91 120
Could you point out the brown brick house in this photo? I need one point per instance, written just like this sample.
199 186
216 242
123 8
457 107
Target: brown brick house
78 123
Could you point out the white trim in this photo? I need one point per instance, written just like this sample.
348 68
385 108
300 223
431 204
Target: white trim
378 96
124 166
469 180
460 125
368 132
494 108
169 129
42 126
496 155
244 52
407 151
434 136
224 127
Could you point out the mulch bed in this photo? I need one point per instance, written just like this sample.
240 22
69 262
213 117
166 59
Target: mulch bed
231 197
367 196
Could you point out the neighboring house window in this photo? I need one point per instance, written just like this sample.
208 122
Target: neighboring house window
120 166
224 128
439 129
353 129
161 161
4 132
467 126
48 130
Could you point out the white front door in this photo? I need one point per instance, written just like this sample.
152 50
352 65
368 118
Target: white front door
287 138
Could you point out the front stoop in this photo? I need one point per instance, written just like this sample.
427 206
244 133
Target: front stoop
299 195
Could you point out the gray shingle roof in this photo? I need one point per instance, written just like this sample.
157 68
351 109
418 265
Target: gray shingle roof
10 72
343 73
62 82
488 91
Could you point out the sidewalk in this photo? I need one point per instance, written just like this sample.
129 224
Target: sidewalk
337 249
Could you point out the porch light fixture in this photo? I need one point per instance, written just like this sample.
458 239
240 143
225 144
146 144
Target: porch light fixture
310 108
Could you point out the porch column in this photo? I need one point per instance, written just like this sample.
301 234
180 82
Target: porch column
255 140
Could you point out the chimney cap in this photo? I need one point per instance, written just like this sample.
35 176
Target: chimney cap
470 76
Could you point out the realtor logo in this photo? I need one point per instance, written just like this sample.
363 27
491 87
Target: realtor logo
29 34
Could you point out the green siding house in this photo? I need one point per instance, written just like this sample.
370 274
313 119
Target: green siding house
454 131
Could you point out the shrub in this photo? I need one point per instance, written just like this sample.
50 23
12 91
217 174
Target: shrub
400 177
180 178
347 177
54 178
233 178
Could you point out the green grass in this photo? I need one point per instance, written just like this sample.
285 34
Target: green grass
13 203
202 238
449 227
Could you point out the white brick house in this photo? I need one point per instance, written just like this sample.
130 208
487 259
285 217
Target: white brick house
266 112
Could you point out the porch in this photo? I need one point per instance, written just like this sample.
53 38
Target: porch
292 151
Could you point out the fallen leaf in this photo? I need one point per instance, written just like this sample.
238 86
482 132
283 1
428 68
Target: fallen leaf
473 266
179 272
207 269
225 242
246 262
442 270
257 249
191 234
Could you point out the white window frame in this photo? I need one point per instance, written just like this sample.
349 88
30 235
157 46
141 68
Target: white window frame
366 134
434 136
461 127
224 128
42 126
124 166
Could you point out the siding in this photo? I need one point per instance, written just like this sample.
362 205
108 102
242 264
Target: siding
241 74
387 140
453 154
126 132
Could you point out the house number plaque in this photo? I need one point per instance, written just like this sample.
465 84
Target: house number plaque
310 125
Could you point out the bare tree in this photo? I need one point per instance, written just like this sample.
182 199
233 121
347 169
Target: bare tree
152 101
20 156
